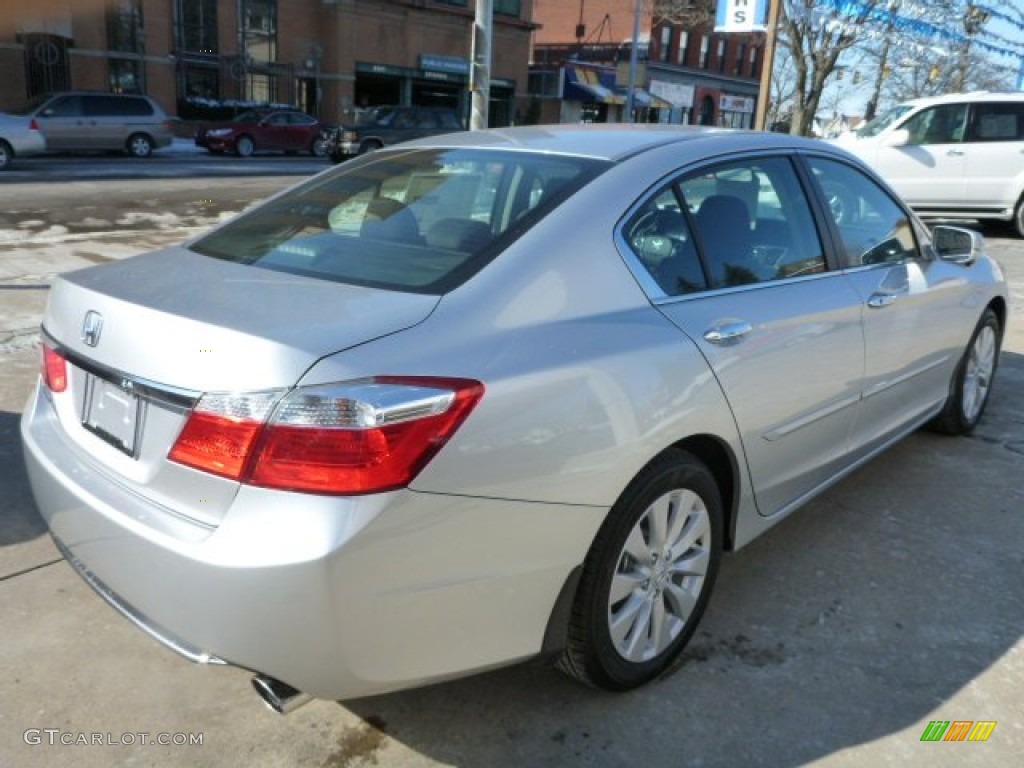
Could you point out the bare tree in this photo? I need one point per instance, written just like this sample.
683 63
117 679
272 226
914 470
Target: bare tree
815 41
690 14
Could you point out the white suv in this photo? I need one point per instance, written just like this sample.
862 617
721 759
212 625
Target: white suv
959 156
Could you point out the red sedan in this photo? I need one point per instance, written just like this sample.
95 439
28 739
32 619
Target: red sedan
263 129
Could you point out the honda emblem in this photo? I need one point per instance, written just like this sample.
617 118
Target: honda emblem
91 327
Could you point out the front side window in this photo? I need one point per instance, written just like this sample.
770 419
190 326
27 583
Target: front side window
874 229
420 221
944 124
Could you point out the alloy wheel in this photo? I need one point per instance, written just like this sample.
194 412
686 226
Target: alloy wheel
660 574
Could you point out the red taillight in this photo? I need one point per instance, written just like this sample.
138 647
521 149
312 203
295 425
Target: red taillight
354 438
216 444
33 126
54 369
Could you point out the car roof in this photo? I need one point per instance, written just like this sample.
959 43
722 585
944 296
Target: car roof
612 141
963 97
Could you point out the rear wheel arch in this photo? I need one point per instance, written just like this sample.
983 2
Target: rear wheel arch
721 461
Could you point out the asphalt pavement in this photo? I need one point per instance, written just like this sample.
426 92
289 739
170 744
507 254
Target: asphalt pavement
895 599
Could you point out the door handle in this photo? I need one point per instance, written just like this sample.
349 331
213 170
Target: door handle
879 300
955 153
728 333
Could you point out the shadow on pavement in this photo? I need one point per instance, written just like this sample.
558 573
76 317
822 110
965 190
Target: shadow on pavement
19 519
853 620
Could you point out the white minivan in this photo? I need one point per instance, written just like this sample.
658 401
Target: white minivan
958 156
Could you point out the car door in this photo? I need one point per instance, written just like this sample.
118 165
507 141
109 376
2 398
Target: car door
106 121
736 256
913 305
272 132
995 154
928 171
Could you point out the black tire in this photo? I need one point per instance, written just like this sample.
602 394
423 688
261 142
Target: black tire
972 380
675 480
370 145
1018 218
317 148
244 146
139 145
6 154
336 158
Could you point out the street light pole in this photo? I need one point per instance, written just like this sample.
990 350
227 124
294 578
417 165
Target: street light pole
480 69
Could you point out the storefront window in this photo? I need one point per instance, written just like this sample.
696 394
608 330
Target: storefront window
124 76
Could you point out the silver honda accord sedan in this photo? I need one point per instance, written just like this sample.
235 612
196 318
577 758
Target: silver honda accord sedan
493 396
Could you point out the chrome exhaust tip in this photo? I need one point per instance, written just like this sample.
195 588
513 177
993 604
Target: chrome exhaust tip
280 697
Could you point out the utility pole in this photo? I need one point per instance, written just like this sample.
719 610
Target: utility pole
764 93
631 87
480 69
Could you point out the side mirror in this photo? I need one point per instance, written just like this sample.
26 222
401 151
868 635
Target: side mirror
898 138
957 245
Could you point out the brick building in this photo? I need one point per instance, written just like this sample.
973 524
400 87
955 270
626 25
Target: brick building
325 56
686 75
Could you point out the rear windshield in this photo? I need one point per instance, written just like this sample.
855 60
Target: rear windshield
420 221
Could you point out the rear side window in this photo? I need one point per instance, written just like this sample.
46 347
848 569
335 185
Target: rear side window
116 106
421 221
873 227
728 225
998 121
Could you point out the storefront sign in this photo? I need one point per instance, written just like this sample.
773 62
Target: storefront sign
741 15
383 69
676 94
437 63
736 104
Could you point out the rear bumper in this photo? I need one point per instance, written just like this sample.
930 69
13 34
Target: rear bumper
338 597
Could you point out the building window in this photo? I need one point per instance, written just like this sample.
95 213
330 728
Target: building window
260 30
741 56
705 46
666 43
124 27
125 74
196 30
508 7
753 62
723 50
683 51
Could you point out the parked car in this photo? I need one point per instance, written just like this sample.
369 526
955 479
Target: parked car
382 126
955 156
19 137
491 396
286 130
85 121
